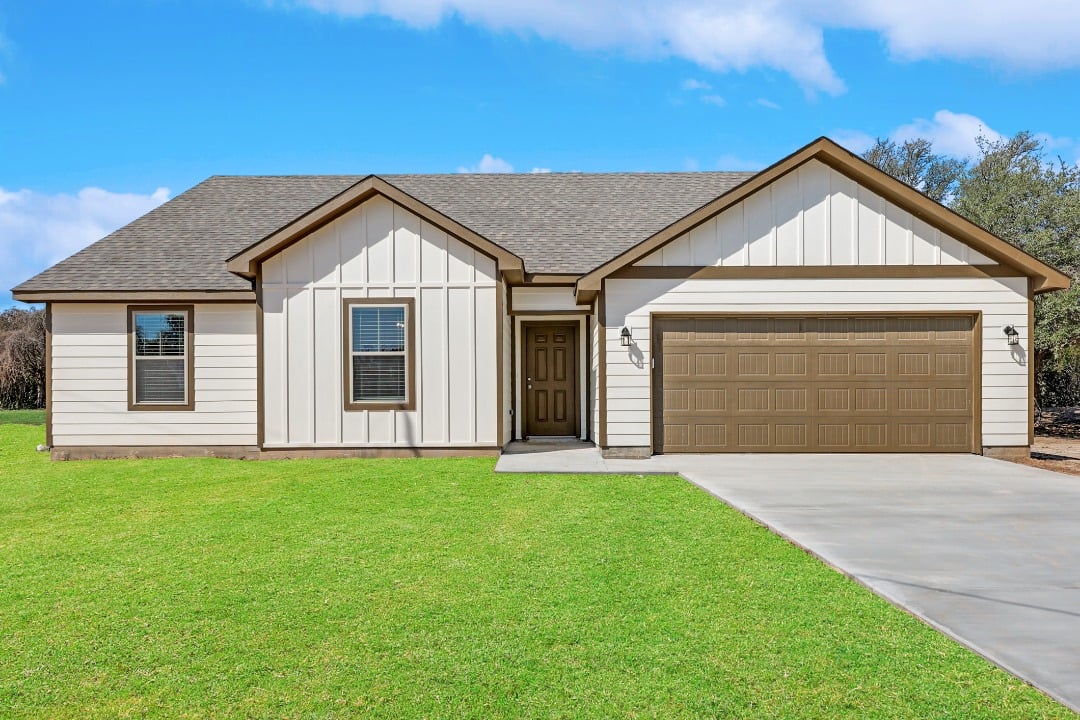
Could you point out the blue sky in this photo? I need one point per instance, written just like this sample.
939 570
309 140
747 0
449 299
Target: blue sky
109 108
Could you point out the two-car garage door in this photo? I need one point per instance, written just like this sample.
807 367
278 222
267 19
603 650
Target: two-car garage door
815 384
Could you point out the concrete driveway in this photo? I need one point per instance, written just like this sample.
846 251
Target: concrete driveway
985 550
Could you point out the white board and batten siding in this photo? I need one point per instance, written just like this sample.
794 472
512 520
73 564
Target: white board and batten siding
380 250
507 387
90 376
814 216
817 216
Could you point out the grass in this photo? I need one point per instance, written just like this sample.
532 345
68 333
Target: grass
22 417
433 588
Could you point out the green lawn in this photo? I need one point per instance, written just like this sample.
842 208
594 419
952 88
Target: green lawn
22 417
432 588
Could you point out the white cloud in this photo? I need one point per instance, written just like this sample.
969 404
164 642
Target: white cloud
691 84
488 164
854 140
733 163
491 164
38 230
713 100
765 102
721 37
951 133
1009 33
783 35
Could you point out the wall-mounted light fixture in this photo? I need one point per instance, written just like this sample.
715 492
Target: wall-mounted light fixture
1012 335
624 337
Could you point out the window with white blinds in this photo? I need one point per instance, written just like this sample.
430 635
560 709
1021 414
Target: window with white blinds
378 345
160 357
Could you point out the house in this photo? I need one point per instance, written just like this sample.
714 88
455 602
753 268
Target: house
816 306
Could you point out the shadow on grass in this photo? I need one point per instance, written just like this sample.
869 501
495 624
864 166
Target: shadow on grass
22 417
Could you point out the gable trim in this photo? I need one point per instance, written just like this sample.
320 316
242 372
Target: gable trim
790 272
1044 278
245 262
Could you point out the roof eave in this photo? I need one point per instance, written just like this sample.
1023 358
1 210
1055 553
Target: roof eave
208 296
246 261
1045 278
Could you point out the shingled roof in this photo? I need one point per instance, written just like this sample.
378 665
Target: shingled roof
567 222
556 223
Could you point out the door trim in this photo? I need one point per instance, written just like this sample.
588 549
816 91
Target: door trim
655 342
525 325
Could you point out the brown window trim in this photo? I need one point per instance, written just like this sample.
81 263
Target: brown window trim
189 358
410 355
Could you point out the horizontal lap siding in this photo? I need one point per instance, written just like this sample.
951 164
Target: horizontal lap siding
90 371
544 299
1002 301
380 250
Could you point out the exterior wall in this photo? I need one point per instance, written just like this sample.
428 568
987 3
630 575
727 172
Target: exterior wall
535 299
814 216
594 379
1002 301
381 250
507 382
90 374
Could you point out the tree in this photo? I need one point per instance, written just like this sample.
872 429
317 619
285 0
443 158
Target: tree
1012 190
914 162
22 358
1015 193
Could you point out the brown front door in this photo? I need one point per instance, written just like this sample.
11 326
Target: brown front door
551 400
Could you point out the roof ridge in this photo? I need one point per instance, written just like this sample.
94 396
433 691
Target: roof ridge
560 173
576 173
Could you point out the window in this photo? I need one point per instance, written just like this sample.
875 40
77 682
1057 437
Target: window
160 365
378 337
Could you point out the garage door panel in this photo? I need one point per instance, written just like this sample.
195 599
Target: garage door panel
790 365
709 364
871 399
870 365
810 384
754 364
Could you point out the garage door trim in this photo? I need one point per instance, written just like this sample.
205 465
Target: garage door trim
655 341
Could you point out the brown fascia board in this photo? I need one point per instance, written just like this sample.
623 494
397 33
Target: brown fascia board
1044 277
127 296
553 279
244 262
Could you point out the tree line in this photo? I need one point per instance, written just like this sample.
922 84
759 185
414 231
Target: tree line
22 359
1011 188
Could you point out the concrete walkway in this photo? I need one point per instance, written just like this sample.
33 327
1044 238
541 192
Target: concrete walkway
987 551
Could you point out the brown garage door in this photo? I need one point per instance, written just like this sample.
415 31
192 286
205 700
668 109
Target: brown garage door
815 384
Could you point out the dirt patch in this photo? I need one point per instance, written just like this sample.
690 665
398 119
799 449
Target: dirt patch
1057 441
1058 422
